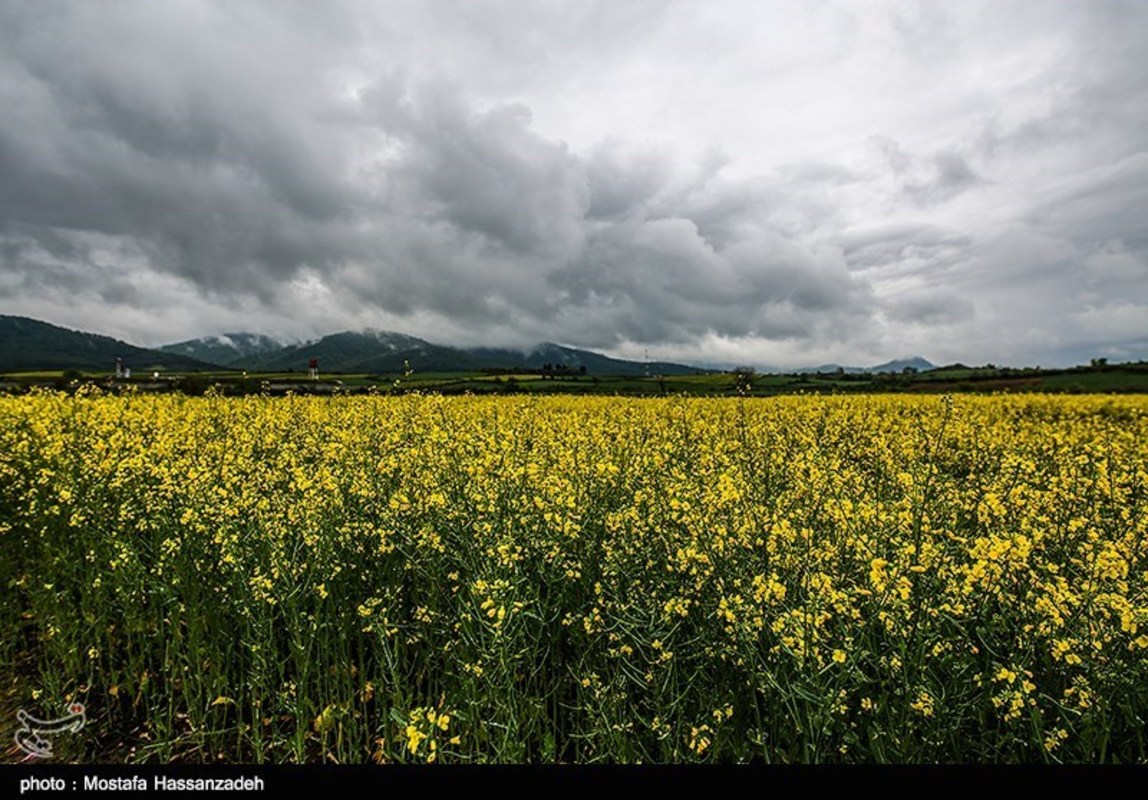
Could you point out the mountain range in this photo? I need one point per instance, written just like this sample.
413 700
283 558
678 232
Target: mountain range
226 348
896 365
376 351
28 344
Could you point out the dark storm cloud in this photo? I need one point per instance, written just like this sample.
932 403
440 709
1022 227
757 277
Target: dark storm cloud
483 172
131 126
622 181
611 175
462 211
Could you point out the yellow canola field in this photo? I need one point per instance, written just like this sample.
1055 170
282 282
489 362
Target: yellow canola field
423 578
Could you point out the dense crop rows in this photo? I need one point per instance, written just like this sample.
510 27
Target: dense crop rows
460 579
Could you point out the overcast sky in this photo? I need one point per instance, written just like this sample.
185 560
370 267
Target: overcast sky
777 183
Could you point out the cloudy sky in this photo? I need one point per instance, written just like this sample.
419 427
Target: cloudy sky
778 183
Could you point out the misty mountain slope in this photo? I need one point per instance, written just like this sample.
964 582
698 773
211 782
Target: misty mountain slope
558 356
386 351
226 348
29 344
363 351
896 365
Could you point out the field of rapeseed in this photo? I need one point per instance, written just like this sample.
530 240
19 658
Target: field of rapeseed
421 578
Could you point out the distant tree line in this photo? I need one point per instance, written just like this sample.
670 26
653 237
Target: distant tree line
561 370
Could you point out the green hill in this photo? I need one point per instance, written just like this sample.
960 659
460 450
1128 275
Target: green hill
28 344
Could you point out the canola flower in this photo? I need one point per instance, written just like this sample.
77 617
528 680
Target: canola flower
432 579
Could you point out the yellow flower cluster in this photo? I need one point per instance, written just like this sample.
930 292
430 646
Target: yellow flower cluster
853 577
